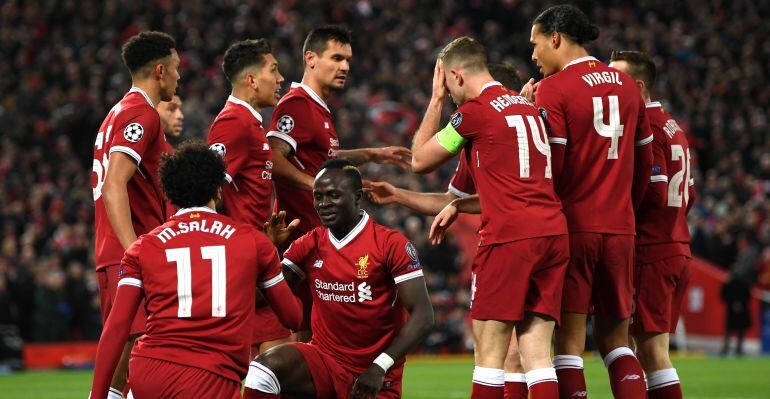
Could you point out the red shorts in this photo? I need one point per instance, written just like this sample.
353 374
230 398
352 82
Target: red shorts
600 275
660 288
153 378
267 327
331 380
521 276
108 288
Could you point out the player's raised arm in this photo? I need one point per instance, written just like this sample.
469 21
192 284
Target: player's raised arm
283 171
393 155
447 216
428 154
384 193
115 195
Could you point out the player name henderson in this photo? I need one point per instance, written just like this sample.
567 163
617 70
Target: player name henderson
217 227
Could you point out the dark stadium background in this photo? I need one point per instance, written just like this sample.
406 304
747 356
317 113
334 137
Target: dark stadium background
60 72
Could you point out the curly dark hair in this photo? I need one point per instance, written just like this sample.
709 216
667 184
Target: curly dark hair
243 54
506 74
568 20
146 47
191 175
316 41
352 174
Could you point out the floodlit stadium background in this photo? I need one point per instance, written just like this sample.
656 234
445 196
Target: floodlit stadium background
61 72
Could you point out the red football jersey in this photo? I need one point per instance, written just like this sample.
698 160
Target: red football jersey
511 164
303 120
199 272
238 137
132 127
462 184
355 313
597 112
662 231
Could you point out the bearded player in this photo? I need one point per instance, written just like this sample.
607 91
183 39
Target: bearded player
461 185
172 117
199 273
663 238
370 303
523 249
127 196
237 135
600 136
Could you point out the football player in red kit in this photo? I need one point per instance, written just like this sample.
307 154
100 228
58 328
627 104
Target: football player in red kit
523 249
662 236
461 185
127 197
302 134
237 135
600 142
370 303
198 273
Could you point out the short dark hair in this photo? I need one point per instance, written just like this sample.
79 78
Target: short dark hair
146 47
464 52
568 20
191 175
640 65
243 54
351 171
506 74
317 40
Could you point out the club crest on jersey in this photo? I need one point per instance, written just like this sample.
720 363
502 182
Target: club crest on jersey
285 124
456 119
219 149
363 264
133 132
412 252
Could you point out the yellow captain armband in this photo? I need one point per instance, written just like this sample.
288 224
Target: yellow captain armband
450 139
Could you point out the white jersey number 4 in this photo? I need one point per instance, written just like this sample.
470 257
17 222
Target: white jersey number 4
216 254
613 130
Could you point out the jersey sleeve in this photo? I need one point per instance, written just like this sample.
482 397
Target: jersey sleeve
643 134
403 262
296 256
548 102
659 146
130 267
291 123
135 131
269 273
229 138
463 126
462 184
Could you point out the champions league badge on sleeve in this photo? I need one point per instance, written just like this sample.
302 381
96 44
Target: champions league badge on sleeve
411 251
133 132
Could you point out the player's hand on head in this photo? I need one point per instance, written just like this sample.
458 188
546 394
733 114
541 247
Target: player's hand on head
368 384
439 81
393 155
276 228
380 192
441 223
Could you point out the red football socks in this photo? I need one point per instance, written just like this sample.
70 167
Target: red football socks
664 384
488 383
542 383
516 386
626 375
572 382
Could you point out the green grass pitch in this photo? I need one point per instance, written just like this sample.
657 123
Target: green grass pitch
445 378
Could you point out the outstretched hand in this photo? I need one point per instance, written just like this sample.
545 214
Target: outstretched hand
380 192
393 155
277 230
441 223
368 384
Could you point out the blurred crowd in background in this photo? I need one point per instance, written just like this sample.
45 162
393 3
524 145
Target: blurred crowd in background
61 73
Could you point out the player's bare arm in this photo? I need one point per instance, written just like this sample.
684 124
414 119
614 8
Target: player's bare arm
448 215
115 194
393 155
283 171
427 153
384 193
114 338
413 295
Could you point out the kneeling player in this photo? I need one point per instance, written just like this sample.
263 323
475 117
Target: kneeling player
198 273
370 303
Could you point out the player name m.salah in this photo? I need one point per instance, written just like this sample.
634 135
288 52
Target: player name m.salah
216 228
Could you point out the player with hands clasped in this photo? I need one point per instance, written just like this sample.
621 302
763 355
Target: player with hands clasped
523 250
370 302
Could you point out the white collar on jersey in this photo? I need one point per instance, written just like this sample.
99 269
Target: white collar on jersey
312 94
352 234
490 84
195 209
135 89
654 104
579 60
236 100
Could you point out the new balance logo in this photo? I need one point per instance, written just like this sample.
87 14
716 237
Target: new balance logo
579 394
318 264
631 377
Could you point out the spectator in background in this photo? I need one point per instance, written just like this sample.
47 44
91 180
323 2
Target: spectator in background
736 293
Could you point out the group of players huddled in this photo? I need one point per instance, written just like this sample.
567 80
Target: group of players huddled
582 182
